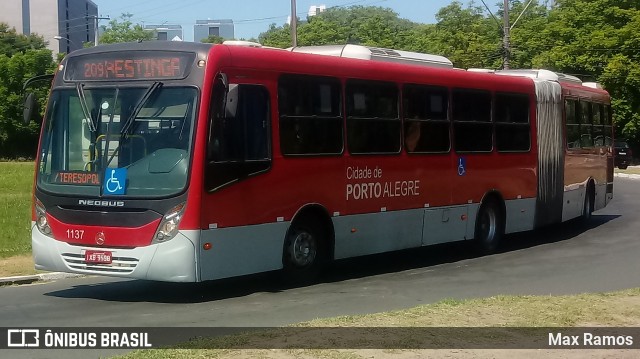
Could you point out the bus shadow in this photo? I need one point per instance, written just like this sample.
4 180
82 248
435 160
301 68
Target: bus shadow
342 270
459 251
554 233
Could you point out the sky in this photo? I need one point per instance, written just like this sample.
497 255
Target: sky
251 17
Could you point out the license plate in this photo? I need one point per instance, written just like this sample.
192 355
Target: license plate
622 153
97 257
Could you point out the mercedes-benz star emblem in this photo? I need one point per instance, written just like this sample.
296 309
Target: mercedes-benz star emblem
100 238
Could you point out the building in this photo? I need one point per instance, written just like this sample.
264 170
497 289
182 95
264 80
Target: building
205 28
166 32
65 24
313 11
316 9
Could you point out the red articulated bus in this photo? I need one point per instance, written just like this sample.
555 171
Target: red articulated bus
190 162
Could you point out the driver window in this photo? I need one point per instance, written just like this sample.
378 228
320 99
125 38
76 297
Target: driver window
239 134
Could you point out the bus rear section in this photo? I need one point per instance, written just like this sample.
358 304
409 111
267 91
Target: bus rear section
575 139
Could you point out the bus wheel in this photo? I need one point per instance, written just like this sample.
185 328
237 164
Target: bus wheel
587 210
303 251
489 228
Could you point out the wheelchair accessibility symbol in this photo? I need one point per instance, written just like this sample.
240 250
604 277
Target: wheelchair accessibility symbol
115 181
462 166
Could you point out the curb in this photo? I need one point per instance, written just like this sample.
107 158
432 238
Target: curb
627 175
28 279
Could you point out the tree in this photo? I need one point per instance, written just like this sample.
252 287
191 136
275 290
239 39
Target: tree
21 57
466 36
276 36
364 25
213 39
11 42
471 37
369 25
125 31
599 40
320 30
527 36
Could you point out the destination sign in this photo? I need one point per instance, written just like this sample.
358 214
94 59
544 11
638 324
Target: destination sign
130 65
77 178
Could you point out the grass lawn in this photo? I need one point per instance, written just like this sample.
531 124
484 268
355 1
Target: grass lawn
16 180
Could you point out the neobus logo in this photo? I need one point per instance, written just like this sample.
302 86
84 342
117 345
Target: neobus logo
91 202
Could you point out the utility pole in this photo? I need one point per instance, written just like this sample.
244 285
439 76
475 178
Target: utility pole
506 40
95 28
294 24
506 29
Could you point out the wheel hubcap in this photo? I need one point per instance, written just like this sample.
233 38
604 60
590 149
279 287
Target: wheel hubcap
303 249
488 226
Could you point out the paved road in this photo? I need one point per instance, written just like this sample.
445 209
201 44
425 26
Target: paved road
564 259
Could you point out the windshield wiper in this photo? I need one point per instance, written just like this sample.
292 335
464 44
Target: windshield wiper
90 123
108 135
85 108
143 100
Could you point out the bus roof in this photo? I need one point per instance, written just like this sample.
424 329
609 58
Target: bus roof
405 72
197 47
376 54
541 74
570 83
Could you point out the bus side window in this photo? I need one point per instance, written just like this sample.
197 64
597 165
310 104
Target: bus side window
572 124
598 124
511 116
426 123
586 134
373 119
239 141
310 111
472 126
608 126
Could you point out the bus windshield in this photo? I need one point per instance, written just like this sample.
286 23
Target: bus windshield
143 133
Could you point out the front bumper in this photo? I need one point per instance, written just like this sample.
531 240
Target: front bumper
172 261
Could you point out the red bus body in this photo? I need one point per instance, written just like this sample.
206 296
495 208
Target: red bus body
354 204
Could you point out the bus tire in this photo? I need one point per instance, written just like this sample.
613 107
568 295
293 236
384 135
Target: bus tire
587 209
489 228
304 252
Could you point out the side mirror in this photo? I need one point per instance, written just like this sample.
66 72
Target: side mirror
30 99
30 107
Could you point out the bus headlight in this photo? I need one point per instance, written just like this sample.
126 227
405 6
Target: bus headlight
41 219
168 228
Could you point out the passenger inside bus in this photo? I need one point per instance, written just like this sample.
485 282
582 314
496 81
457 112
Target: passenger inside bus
412 136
